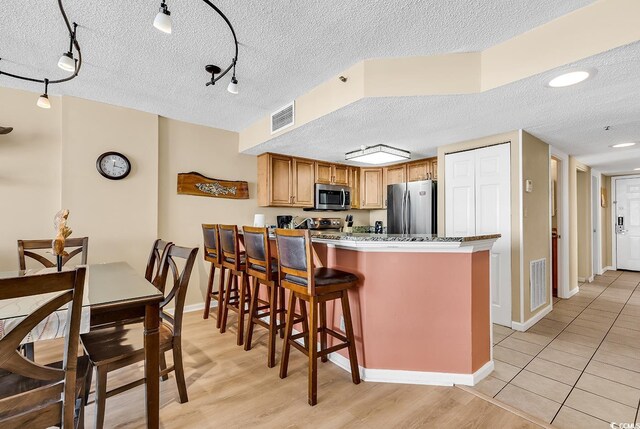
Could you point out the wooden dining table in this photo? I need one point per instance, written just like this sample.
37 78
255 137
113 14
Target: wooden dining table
113 292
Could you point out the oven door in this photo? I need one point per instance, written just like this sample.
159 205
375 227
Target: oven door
331 197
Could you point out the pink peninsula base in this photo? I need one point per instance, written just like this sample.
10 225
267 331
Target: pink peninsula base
420 315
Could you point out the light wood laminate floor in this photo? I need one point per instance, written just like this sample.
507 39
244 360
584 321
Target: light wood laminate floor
231 388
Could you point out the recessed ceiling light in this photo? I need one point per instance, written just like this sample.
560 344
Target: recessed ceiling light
568 79
636 169
619 145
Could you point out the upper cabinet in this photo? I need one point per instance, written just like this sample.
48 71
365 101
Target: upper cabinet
371 188
331 174
285 181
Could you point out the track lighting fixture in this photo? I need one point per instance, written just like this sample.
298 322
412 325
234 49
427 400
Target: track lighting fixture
67 62
163 23
163 19
43 100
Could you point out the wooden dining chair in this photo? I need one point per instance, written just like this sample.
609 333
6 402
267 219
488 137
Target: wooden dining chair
315 286
113 348
153 272
34 395
213 254
73 246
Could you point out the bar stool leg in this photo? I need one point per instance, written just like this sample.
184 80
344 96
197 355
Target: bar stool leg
313 350
353 357
255 291
207 299
221 296
305 323
286 347
273 322
225 307
281 309
241 311
323 329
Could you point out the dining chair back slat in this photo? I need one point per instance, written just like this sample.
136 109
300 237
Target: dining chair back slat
74 246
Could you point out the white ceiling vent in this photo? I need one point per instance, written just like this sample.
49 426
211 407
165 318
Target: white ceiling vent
283 118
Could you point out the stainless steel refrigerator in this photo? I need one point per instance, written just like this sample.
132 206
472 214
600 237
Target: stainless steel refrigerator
411 208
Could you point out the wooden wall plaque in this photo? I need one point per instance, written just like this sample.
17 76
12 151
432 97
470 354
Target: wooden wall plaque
196 184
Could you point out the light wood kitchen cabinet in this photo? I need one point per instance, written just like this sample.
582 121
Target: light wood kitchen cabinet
284 181
331 174
395 174
418 170
371 180
353 174
303 182
434 168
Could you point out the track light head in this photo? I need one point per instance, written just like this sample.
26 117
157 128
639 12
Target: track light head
43 102
233 86
163 19
67 62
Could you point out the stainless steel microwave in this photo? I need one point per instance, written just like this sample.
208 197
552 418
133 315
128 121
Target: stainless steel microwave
332 197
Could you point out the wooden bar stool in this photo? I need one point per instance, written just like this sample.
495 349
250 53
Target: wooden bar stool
264 271
235 298
213 254
316 286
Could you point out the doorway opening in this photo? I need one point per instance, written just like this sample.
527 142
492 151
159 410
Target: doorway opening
595 225
584 226
555 199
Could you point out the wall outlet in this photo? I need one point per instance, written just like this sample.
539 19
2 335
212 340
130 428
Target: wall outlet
342 328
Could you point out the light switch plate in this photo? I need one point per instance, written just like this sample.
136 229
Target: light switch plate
528 185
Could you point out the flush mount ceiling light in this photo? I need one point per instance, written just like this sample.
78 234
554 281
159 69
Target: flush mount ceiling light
67 62
568 79
619 145
636 169
378 154
162 22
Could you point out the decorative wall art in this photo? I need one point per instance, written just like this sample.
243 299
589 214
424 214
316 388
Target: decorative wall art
202 186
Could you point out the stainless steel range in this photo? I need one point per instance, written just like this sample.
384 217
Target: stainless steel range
325 223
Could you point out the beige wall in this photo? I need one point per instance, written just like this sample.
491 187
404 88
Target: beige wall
536 227
120 217
579 222
29 171
514 138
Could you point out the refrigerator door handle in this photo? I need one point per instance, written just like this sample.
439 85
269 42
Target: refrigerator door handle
408 211
402 211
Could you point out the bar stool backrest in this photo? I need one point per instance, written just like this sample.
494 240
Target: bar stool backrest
230 246
211 243
295 262
257 246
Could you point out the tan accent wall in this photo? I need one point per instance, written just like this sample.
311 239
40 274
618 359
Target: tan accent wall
536 227
605 225
29 171
579 222
514 138
120 217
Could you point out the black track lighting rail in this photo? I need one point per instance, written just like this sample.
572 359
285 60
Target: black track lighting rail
235 41
73 43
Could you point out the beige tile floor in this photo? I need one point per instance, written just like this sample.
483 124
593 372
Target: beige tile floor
580 365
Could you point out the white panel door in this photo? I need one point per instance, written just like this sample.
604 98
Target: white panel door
459 194
628 224
493 215
478 201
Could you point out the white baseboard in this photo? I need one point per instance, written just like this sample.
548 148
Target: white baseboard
194 307
573 291
609 268
535 319
582 280
591 278
414 377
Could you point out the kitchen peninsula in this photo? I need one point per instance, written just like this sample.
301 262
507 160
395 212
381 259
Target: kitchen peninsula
422 309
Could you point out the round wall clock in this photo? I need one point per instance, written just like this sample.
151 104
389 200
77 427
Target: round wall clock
113 165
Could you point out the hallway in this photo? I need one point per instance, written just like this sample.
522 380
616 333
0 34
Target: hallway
580 365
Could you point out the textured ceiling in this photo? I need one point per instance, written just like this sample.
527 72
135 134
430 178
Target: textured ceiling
287 47
572 119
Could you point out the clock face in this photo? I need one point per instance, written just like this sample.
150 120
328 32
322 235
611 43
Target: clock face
113 165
